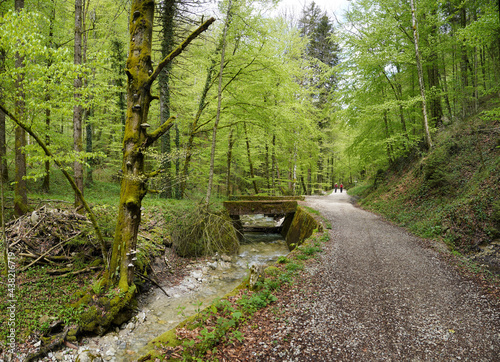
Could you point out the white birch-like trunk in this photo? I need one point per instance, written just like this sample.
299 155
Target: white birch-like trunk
428 139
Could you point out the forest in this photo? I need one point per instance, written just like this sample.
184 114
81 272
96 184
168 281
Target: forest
135 114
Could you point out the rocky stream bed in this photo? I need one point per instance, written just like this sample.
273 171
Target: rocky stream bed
204 282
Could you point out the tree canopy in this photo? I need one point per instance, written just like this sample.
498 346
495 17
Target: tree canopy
304 103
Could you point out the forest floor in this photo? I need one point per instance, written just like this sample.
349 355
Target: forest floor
375 293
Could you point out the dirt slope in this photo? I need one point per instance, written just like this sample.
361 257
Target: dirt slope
379 294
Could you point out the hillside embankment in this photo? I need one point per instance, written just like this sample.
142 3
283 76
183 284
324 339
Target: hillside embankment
449 193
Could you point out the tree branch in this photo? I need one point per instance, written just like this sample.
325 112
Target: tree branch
160 131
179 50
68 177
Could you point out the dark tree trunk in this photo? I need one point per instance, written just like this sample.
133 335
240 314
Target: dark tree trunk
20 188
464 65
167 44
177 163
274 167
4 173
252 173
268 181
387 136
78 109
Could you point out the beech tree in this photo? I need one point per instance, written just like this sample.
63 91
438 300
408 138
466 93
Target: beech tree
137 139
428 139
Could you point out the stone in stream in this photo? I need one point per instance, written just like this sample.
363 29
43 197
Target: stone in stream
141 317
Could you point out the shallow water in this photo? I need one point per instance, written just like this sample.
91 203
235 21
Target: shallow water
204 284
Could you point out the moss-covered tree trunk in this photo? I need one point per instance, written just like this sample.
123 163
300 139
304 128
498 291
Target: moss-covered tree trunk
141 76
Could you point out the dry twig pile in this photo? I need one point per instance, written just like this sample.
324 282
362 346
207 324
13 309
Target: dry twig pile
52 236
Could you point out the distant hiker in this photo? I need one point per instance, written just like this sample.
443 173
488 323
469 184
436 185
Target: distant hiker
341 187
336 187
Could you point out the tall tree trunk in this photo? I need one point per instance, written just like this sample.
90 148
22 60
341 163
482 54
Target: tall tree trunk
177 163
229 160
436 110
428 140
88 112
387 135
219 105
117 61
274 167
46 177
268 181
446 92
20 188
464 65
309 181
77 108
4 173
167 43
194 126
252 173
137 139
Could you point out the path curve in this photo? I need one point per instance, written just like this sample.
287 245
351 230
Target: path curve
380 295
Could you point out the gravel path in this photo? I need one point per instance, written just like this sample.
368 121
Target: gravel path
379 294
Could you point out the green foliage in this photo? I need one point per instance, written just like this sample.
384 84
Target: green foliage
41 300
450 193
283 259
292 266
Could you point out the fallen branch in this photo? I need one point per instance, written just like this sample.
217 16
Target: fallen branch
49 258
84 270
152 281
48 251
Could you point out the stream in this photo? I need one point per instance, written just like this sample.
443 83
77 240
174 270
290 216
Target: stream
204 283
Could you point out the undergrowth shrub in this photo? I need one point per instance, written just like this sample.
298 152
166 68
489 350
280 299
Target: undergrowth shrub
434 169
200 231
